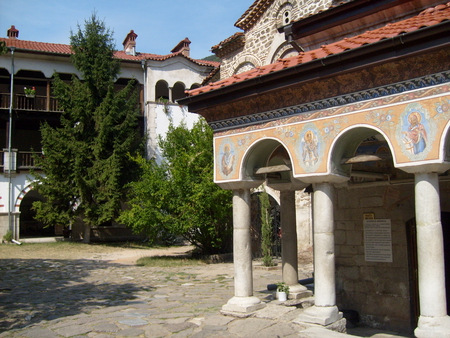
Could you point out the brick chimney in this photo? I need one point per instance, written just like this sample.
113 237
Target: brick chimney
12 33
129 44
183 47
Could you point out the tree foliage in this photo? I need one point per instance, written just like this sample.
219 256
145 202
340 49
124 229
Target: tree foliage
86 158
179 195
266 229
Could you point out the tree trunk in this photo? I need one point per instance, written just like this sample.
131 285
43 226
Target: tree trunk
87 233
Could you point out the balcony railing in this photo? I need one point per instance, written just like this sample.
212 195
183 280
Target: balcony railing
25 159
37 103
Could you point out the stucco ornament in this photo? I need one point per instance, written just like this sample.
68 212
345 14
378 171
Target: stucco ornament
415 132
310 148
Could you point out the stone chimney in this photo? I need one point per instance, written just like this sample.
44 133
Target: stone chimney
12 33
183 47
129 44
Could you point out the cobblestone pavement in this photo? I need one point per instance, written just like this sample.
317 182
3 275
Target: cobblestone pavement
44 298
101 299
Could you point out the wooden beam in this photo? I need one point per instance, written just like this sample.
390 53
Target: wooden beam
365 158
272 169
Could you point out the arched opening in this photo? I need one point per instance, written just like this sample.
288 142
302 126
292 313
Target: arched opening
365 155
243 67
195 85
255 226
178 91
29 226
162 91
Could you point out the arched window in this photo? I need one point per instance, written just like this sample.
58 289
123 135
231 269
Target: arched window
178 91
161 90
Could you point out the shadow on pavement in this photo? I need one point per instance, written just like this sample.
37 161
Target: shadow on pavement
33 290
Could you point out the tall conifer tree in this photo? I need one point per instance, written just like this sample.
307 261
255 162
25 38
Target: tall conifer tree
86 160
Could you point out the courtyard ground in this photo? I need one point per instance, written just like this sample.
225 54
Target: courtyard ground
76 290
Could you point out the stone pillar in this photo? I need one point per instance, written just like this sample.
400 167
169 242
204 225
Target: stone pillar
433 320
289 247
243 300
324 311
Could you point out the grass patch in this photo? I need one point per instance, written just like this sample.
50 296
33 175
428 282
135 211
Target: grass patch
168 261
65 250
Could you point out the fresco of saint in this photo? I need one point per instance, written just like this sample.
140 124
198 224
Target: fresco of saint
416 136
227 161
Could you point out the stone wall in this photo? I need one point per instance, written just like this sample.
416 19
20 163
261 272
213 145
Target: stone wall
263 43
378 291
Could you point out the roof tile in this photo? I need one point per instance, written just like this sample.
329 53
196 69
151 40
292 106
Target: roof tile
55 48
429 17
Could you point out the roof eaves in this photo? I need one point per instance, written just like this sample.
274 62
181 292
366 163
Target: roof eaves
384 49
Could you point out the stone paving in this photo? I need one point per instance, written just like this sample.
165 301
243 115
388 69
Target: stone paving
101 299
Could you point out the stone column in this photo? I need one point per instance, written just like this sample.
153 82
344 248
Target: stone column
324 311
433 320
243 300
289 247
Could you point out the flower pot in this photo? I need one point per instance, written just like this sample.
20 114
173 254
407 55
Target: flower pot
282 296
30 95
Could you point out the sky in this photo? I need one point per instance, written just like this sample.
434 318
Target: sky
159 24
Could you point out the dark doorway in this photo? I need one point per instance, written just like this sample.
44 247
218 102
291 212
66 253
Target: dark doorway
29 226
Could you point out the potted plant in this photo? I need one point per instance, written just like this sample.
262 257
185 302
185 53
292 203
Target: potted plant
282 291
30 92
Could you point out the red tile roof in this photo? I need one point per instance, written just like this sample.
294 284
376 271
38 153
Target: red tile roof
230 44
252 14
426 18
56 48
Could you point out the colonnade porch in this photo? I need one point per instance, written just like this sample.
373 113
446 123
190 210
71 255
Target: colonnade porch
433 320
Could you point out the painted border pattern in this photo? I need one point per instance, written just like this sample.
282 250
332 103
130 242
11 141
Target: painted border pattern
272 115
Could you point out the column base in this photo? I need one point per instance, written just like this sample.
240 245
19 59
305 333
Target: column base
322 315
299 291
431 327
242 305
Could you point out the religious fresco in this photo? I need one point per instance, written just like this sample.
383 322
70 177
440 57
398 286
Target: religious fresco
310 148
227 155
415 132
411 126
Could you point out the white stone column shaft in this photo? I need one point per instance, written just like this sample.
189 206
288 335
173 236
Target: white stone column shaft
324 265
324 311
433 320
242 251
243 300
430 246
288 238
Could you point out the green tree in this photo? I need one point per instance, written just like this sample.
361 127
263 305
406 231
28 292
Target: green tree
86 160
179 195
266 229
3 48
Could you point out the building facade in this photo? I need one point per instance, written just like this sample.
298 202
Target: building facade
161 79
359 117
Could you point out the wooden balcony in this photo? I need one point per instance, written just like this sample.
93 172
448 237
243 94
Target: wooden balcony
36 103
24 159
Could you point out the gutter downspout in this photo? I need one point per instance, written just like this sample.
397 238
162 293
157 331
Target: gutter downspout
11 100
289 37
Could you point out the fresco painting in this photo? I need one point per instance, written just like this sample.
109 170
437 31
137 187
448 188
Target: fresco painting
415 132
227 158
411 129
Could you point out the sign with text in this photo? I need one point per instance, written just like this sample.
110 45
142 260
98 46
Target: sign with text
378 240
